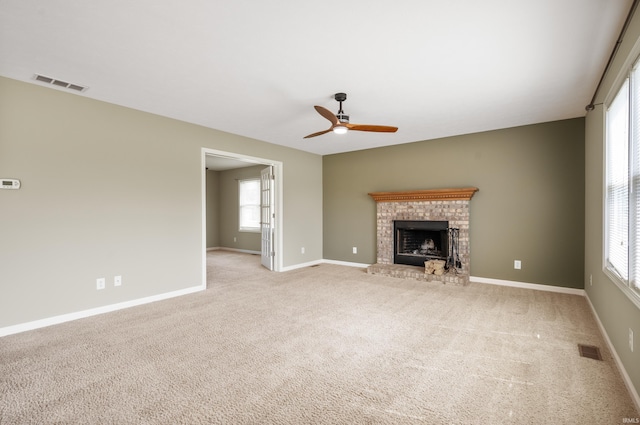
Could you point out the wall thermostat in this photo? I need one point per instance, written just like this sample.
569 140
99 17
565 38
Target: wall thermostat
9 184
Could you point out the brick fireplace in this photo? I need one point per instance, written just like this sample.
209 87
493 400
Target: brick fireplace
450 205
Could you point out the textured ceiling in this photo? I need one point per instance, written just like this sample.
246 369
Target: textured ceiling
256 68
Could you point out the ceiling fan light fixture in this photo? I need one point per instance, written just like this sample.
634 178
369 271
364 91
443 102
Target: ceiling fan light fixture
340 129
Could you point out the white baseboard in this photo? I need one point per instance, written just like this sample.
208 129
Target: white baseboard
246 251
301 265
36 324
534 286
323 261
224 248
346 263
625 376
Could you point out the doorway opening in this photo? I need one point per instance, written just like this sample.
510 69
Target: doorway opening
270 233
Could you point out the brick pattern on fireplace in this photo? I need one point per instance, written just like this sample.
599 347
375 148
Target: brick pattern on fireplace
453 208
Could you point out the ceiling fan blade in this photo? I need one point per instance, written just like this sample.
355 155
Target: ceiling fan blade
376 128
319 133
327 114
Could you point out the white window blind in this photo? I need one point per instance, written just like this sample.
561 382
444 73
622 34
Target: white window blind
617 200
249 195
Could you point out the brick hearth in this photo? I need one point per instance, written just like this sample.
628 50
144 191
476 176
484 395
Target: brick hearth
450 205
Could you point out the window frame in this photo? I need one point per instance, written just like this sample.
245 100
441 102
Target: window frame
630 81
241 206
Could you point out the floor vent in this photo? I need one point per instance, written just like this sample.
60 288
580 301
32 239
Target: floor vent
59 83
589 351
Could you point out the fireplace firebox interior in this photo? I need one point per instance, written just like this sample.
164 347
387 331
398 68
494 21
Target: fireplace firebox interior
418 241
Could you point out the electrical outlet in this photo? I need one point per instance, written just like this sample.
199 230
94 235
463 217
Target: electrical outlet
235 239
100 283
631 339
117 281
517 264
355 249
590 280
302 250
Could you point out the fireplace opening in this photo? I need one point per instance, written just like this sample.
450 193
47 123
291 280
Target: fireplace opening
418 241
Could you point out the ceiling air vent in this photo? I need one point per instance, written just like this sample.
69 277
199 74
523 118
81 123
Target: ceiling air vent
59 83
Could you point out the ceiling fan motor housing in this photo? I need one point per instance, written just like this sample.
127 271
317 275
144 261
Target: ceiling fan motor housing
343 118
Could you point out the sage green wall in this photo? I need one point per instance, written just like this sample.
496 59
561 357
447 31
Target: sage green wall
229 210
213 209
529 207
615 310
108 190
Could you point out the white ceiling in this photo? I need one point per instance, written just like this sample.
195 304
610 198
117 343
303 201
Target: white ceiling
221 163
432 68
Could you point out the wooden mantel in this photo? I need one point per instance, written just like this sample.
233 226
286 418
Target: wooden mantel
456 194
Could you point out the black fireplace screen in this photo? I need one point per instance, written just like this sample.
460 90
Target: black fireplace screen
418 241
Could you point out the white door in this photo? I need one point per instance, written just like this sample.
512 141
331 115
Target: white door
267 216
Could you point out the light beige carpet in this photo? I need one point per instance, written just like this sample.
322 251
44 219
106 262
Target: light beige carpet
320 345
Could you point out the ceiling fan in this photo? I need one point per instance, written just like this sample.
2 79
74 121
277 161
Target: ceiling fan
340 122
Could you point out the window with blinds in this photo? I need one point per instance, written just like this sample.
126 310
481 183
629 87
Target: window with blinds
618 183
622 201
249 196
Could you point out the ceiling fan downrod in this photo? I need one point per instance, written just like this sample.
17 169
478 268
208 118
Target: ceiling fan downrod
342 117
